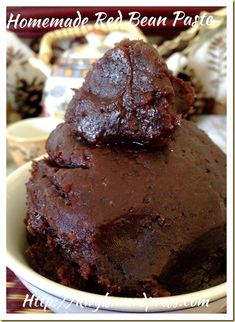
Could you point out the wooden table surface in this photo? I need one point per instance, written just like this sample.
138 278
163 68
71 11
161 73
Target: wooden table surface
16 293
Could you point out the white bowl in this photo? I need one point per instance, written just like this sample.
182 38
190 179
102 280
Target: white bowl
62 299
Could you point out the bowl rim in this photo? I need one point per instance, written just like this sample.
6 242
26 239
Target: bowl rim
111 303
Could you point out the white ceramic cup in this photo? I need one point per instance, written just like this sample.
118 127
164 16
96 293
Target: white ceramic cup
26 138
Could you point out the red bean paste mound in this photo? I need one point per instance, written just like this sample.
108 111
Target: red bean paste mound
107 215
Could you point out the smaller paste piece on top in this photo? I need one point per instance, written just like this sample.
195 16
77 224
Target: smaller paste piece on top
129 96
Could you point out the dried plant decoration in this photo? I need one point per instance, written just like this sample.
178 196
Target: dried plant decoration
28 95
25 81
15 55
217 58
203 48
